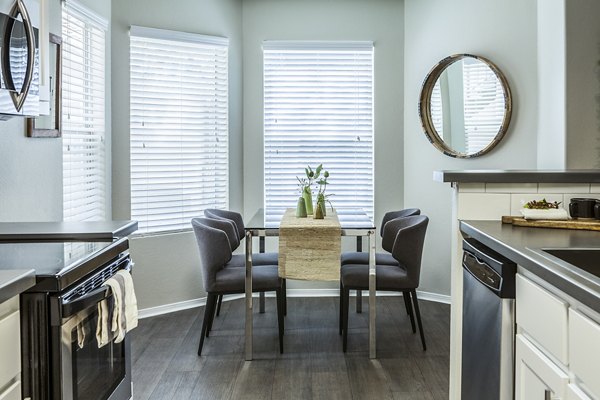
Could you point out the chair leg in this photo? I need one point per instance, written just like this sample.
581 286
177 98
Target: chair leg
341 319
359 301
279 294
210 300
418 313
346 301
212 311
408 304
261 302
219 304
284 287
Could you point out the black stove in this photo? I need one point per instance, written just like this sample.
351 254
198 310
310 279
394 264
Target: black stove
60 355
59 265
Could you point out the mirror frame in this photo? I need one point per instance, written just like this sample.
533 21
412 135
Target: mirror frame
55 132
425 106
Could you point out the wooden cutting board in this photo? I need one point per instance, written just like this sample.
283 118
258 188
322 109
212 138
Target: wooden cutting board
581 224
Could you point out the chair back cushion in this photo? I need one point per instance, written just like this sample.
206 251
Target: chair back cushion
226 226
214 248
408 245
390 215
233 216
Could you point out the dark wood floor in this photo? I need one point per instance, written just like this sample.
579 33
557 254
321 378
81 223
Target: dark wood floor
313 366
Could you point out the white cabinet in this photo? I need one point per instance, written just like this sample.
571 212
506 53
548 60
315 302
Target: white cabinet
557 345
10 349
584 349
536 377
13 392
543 316
574 393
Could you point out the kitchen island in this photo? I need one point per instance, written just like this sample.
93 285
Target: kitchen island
488 195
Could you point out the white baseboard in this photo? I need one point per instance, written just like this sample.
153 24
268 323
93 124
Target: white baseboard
187 304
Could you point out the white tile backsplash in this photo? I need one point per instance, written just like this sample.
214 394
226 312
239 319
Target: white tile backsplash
517 200
564 187
468 187
595 188
511 187
483 206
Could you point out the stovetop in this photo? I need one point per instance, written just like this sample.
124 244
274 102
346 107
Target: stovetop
58 265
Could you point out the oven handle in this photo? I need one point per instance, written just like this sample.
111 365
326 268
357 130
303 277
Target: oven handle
90 299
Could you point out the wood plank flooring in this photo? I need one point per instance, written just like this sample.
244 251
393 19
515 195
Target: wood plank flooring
313 366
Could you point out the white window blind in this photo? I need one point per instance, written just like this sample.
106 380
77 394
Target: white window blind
484 104
318 108
437 112
178 127
83 120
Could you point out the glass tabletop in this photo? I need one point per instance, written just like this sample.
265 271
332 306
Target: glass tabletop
350 218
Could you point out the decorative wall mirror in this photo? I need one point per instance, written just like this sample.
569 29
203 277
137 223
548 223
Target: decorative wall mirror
465 106
49 126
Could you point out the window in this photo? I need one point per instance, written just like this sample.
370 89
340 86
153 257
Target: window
318 108
83 120
178 127
484 104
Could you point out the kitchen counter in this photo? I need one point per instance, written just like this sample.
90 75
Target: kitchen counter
66 231
523 246
15 282
519 176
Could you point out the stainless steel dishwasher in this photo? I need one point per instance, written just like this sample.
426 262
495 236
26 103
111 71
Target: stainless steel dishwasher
488 323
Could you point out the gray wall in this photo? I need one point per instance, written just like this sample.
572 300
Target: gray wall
583 83
551 77
31 169
167 269
504 32
376 20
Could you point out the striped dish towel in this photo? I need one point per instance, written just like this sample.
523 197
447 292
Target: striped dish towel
114 322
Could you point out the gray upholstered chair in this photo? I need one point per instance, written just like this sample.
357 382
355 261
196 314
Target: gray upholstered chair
239 260
408 235
220 278
361 257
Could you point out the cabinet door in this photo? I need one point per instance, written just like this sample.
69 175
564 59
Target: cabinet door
543 316
13 392
536 377
10 348
574 393
584 339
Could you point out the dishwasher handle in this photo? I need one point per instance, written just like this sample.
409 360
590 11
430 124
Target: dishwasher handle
482 272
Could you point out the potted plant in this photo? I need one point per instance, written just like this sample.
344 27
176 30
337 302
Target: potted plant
320 207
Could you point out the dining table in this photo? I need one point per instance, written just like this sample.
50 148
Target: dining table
266 223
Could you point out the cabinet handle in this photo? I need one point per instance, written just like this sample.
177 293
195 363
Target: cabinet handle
547 395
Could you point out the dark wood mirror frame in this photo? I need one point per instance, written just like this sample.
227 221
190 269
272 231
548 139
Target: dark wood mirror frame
425 106
55 98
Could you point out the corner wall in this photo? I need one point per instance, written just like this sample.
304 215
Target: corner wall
582 84
376 20
167 266
504 32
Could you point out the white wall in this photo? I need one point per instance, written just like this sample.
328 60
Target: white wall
167 267
551 51
583 83
31 169
505 33
376 20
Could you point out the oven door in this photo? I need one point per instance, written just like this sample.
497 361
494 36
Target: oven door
87 371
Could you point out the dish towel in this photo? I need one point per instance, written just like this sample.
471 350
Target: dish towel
559 214
114 322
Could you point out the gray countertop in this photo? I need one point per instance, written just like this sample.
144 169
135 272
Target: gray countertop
519 176
522 245
66 231
14 282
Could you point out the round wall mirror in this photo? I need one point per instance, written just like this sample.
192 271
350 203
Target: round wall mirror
465 106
